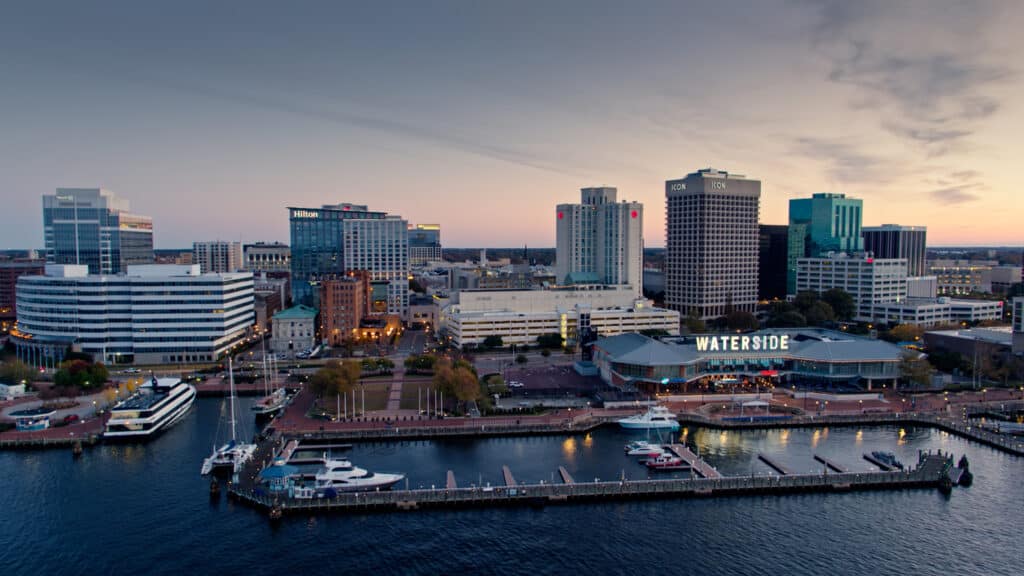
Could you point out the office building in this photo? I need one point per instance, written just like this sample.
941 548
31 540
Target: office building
520 316
344 302
772 261
424 244
334 239
869 281
152 314
935 311
600 240
217 256
895 241
267 257
93 227
819 225
1018 325
9 274
711 257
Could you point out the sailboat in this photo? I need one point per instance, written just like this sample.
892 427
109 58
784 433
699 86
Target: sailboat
234 454
274 401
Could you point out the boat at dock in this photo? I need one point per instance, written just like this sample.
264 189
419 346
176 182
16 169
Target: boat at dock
656 418
342 476
643 448
667 461
887 458
152 409
272 404
232 455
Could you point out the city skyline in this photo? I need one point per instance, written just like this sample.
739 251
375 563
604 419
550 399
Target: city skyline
215 121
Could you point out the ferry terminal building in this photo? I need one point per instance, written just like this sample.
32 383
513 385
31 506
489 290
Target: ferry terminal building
766 358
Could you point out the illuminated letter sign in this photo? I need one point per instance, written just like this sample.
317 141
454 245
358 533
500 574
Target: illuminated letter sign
770 343
718 185
677 186
305 214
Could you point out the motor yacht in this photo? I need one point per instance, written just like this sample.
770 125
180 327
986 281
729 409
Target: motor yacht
643 448
342 476
656 417
155 407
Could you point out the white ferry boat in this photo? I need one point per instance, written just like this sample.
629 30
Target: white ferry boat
151 410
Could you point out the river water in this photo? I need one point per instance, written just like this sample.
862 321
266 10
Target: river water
145 509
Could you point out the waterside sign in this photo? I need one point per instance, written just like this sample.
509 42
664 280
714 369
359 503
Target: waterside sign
768 343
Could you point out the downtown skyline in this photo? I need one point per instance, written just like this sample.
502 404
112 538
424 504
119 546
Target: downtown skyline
484 118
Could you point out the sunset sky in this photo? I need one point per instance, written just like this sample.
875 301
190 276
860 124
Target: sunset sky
480 116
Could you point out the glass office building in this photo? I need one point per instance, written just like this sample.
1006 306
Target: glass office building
93 227
331 240
821 224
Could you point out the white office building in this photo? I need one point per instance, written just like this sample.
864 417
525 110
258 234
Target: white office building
1018 325
267 257
712 243
935 311
381 247
152 314
600 240
520 316
869 281
217 256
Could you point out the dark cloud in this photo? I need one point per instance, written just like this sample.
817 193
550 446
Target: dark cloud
845 161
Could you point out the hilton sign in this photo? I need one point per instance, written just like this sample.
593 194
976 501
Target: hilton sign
305 214
771 343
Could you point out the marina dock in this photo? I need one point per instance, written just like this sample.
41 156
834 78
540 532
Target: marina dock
777 466
507 475
450 482
566 478
929 473
830 464
881 465
700 467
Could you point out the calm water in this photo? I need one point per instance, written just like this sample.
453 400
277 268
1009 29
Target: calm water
144 509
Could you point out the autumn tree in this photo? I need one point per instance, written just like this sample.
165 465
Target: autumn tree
915 369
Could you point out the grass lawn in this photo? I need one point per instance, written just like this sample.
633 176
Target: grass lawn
376 397
409 394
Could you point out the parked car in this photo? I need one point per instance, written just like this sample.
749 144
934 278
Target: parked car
70 418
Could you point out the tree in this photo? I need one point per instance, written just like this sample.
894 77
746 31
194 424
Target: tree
521 359
79 373
466 385
654 332
804 301
915 370
493 341
416 286
904 333
820 313
336 378
841 302
16 371
545 353
693 323
741 320
782 314
550 340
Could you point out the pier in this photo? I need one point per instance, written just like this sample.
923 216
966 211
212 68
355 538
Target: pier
881 465
450 482
929 473
777 466
700 467
566 478
507 475
830 464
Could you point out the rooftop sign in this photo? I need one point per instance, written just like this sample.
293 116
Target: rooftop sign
769 343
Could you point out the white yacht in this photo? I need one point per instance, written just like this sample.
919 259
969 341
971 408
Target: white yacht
234 454
269 405
153 408
643 448
656 417
342 476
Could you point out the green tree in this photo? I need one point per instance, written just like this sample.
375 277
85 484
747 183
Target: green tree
521 359
741 320
550 340
493 341
693 323
336 378
820 313
15 371
915 370
783 314
904 333
804 301
841 302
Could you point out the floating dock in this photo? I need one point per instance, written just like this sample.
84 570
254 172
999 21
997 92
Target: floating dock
507 475
777 466
831 465
566 478
450 481
700 467
930 472
881 465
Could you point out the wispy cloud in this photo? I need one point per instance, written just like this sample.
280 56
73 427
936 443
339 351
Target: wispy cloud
845 161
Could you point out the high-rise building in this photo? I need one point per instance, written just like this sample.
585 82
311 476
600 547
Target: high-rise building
9 274
711 257
772 261
600 240
153 314
821 224
344 302
424 244
93 227
217 256
334 239
267 257
895 241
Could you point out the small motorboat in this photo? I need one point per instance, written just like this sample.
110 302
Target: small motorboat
643 448
666 461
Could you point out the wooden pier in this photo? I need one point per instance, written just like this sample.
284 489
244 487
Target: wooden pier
450 481
881 465
507 475
777 466
830 464
566 478
929 473
700 467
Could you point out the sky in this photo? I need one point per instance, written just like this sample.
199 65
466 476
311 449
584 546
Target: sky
212 117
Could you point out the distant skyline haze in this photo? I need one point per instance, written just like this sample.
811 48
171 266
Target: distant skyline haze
212 118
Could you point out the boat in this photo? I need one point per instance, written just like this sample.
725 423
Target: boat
643 448
666 461
234 454
342 476
153 408
270 405
656 417
887 458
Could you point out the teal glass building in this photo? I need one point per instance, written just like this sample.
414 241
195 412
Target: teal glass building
823 223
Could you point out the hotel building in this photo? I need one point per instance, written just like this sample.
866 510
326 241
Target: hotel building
711 259
217 256
152 314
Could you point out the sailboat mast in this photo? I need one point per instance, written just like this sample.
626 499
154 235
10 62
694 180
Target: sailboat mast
231 383
263 349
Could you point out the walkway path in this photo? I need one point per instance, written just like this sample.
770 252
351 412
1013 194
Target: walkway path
395 393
